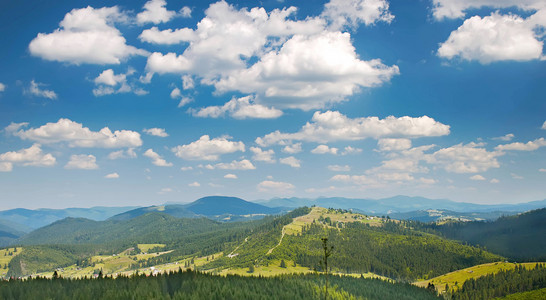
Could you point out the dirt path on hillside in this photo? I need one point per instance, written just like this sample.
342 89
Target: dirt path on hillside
280 241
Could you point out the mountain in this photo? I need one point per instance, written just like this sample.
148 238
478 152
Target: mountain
400 204
175 210
10 231
218 208
41 217
221 205
520 237
434 215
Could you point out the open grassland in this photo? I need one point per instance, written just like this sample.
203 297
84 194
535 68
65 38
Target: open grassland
456 279
147 247
318 214
6 255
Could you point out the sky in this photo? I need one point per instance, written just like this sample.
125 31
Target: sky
106 103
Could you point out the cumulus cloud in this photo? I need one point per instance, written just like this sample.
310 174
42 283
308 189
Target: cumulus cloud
2 87
309 72
350 150
157 159
112 176
244 164
275 187
208 149
394 144
324 149
167 36
494 180
160 132
261 155
287 63
194 184
506 138
86 35
457 8
529 146
32 156
129 153
239 108
82 161
493 38
333 126
543 126
351 13
292 148
108 77
76 135
469 158
338 168
230 176
291 161
108 83
35 90
477 177
155 12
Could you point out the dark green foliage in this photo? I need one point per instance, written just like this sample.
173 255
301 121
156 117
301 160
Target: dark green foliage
194 285
392 251
503 283
518 237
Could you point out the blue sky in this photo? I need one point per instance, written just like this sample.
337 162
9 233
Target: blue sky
147 102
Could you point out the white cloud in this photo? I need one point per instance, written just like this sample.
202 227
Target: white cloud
292 149
529 146
167 36
275 186
338 168
166 190
261 155
291 161
456 8
516 176
494 180
157 159
108 77
32 156
394 144
543 126
85 35
244 164
84 162
185 12
76 135
35 90
351 13
286 63
542 170
469 158
506 138
239 108
350 150
324 149
2 87
194 184
187 82
207 149
184 101
155 12
175 94
230 176
493 38
186 168
477 177
309 72
333 126
129 153
112 176
156 132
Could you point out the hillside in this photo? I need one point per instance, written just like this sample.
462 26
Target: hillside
220 205
177 211
37 218
10 232
519 237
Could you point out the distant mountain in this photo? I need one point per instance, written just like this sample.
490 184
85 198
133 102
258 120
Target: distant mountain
153 227
221 205
10 232
433 215
175 210
520 237
41 217
400 204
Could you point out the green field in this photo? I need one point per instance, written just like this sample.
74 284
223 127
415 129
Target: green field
456 279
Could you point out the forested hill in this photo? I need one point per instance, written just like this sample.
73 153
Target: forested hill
521 237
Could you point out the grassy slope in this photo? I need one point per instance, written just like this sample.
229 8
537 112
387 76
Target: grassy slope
5 258
530 295
457 278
